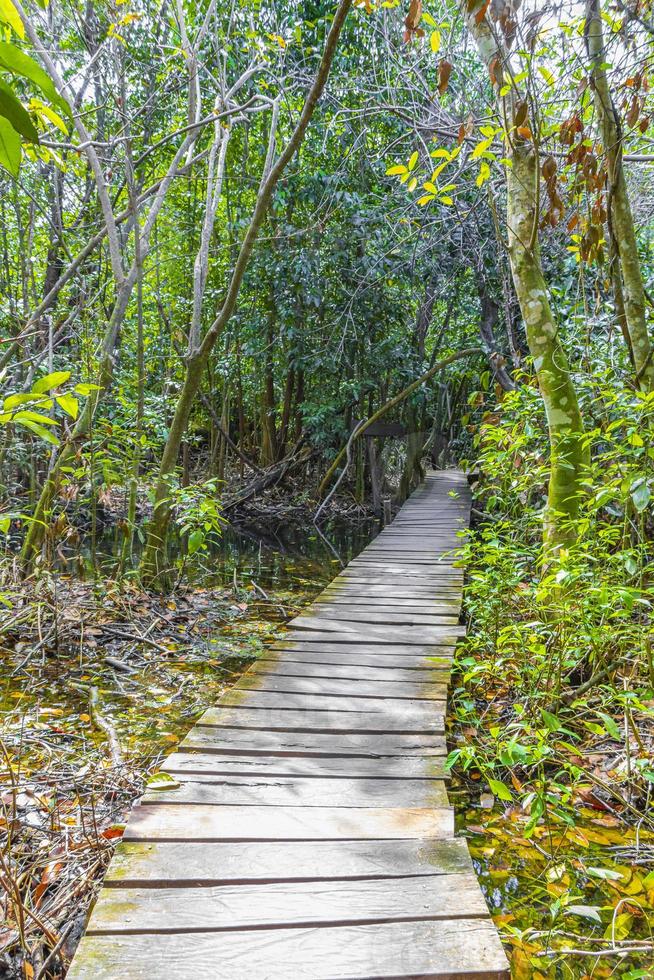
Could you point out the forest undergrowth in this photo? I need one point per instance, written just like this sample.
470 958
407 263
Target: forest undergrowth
553 710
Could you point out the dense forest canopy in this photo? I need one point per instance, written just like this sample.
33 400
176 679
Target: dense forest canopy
235 235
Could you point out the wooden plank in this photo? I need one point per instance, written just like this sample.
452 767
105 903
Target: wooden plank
394 591
350 597
380 615
467 949
306 767
243 823
398 708
324 670
389 634
242 740
162 863
358 643
398 718
295 791
441 583
334 686
288 903
360 655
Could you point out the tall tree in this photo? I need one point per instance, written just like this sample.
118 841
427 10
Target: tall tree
568 456
628 277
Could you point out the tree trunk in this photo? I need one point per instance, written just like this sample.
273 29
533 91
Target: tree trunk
621 231
154 556
568 455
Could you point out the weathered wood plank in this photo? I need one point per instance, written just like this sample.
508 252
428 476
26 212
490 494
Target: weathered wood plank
425 603
243 823
389 634
397 718
358 655
283 682
242 740
319 670
386 613
466 949
304 767
350 703
358 643
288 903
294 791
162 863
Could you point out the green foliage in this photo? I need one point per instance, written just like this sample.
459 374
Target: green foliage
538 634
198 514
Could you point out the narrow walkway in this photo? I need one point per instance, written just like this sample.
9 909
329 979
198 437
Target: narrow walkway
311 834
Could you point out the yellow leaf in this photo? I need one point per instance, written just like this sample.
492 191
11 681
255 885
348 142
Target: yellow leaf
435 41
413 159
9 15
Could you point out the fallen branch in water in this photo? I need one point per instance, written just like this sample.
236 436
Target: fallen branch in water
105 726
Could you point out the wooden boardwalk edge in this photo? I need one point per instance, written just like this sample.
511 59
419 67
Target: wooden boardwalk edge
310 834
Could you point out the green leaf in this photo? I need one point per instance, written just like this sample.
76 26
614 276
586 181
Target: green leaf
48 114
9 15
551 720
12 401
10 149
641 495
50 381
16 114
500 789
607 874
547 74
40 431
86 389
33 417
69 404
16 61
195 541
162 780
610 725
585 911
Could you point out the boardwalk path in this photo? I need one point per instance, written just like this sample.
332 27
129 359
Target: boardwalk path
311 835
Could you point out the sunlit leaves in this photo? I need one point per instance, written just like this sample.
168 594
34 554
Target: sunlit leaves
10 148
10 16
50 381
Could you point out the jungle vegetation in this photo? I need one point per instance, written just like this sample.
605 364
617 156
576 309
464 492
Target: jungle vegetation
234 234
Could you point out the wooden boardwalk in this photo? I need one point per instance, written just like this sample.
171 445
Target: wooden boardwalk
310 835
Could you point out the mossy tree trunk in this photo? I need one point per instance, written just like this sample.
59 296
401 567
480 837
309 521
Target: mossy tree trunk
627 277
568 453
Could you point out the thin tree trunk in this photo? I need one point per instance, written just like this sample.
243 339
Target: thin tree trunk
622 233
153 563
